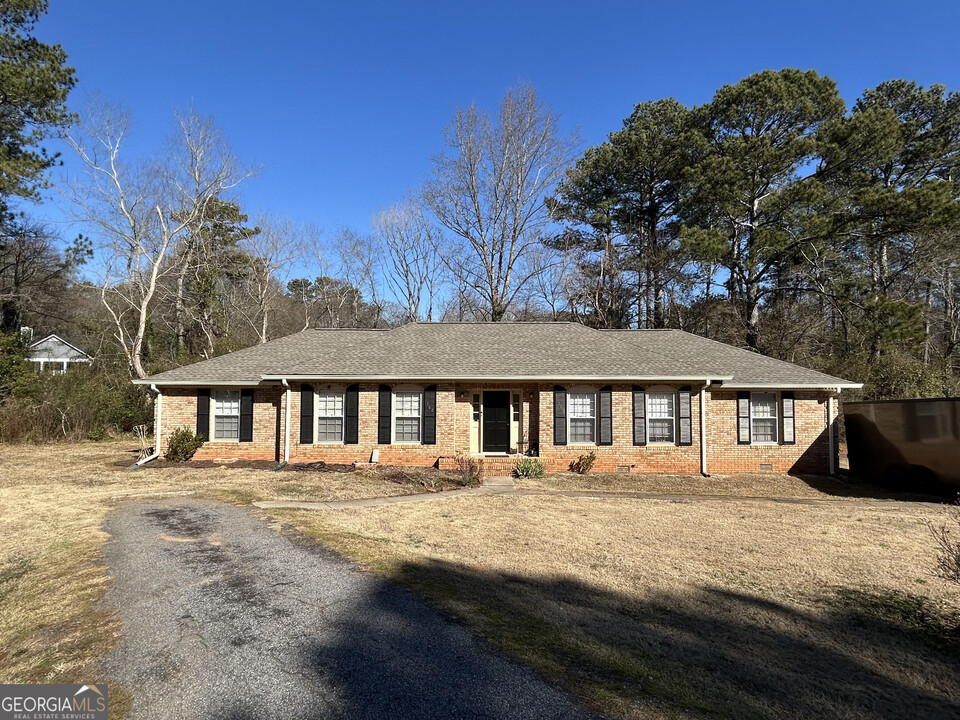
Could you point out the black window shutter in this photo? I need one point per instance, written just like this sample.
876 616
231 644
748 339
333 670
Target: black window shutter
743 418
559 415
430 415
639 416
383 417
787 413
605 436
306 414
351 415
203 413
684 418
246 415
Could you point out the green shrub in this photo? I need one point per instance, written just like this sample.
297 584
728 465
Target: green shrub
183 444
528 468
583 463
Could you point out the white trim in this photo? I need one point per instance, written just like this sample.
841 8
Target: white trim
212 427
776 419
703 430
792 386
831 442
286 419
201 383
381 377
316 415
393 415
672 392
596 415
54 335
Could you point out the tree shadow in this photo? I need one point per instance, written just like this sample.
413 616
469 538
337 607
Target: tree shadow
709 651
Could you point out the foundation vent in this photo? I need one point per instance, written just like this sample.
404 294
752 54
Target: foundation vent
623 468
766 467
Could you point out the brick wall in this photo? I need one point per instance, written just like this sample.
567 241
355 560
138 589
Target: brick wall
622 453
810 453
179 409
455 420
452 428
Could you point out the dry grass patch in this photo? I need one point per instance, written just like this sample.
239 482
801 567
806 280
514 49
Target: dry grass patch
744 485
54 499
681 609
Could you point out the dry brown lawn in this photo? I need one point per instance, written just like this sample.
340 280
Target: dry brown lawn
744 485
644 608
53 499
653 608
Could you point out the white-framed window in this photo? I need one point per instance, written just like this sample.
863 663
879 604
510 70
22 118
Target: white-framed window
661 417
406 416
763 418
329 416
582 417
226 415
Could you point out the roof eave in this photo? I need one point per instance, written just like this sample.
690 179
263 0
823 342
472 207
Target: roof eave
839 385
503 378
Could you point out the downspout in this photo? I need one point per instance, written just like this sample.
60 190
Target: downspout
156 430
831 441
286 421
703 429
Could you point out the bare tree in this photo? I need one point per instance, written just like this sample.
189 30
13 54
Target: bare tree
488 191
271 256
413 270
140 212
359 266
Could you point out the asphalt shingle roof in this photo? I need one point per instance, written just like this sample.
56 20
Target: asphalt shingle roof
477 351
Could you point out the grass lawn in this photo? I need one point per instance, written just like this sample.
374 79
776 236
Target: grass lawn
643 608
53 499
652 608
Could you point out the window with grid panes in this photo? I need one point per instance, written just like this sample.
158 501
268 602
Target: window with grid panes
661 417
582 413
226 415
763 418
329 417
406 416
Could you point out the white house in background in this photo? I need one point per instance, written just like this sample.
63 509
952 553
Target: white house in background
55 354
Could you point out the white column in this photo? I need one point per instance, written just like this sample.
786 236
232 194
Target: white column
830 435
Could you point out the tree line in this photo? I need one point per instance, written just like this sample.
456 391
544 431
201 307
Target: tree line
772 217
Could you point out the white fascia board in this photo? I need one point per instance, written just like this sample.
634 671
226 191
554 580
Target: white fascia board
499 378
194 383
793 386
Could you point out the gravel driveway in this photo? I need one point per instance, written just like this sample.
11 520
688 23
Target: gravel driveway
225 618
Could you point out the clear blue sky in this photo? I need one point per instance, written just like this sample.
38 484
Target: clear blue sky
343 103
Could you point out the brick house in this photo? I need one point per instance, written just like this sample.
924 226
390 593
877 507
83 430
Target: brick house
423 393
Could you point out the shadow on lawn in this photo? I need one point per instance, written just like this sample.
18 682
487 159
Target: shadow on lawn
852 654
848 486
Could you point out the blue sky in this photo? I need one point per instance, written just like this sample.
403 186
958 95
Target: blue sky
343 103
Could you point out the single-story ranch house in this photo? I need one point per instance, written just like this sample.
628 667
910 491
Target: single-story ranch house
423 393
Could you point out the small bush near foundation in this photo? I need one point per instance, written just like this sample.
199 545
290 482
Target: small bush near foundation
469 470
583 463
528 468
183 444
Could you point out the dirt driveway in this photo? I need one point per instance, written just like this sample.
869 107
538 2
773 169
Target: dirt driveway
225 618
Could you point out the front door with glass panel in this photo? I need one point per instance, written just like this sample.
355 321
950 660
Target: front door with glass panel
496 421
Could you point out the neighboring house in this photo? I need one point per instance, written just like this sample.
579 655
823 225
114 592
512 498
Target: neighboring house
55 354
421 394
